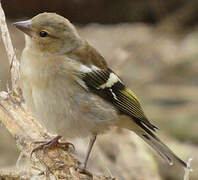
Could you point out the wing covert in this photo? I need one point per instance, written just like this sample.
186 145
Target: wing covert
106 84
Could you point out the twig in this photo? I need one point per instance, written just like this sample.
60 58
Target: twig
188 169
13 62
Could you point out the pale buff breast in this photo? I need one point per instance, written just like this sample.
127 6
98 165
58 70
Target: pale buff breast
62 105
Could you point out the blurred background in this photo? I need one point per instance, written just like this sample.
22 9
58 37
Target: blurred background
153 45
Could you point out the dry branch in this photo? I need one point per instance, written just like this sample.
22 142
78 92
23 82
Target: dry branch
54 163
10 51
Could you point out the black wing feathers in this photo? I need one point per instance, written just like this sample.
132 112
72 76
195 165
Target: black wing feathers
99 82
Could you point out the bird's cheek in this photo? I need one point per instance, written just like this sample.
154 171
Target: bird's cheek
54 47
50 47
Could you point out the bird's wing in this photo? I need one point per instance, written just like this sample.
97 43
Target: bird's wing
106 84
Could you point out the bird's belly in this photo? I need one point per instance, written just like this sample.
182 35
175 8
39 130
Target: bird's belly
71 113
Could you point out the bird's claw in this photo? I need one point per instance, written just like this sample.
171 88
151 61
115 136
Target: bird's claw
52 143
83 170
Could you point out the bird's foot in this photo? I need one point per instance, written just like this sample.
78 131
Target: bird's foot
52 143
82 169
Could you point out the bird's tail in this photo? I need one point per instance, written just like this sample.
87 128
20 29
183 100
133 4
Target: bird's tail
150 138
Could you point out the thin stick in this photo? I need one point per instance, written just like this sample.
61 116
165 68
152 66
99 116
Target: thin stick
13 62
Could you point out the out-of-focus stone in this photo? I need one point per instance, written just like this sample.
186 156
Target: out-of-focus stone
121 154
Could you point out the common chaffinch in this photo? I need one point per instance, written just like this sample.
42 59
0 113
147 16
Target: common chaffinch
69 87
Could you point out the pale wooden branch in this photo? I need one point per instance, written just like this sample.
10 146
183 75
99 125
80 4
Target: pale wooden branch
53 163
10 51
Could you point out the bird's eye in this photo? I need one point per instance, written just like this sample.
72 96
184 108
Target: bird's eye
43 34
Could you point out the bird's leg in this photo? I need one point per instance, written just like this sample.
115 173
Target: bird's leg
52 143
82 169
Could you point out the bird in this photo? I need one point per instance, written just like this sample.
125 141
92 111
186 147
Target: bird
69 87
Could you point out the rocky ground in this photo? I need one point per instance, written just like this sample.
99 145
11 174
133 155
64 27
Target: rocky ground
162 70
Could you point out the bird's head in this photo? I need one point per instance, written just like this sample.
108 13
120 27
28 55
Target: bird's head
49 34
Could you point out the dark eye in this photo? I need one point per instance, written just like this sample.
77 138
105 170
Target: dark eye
43 34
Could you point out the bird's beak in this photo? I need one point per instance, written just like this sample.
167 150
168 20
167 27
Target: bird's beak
25 26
